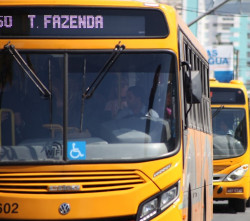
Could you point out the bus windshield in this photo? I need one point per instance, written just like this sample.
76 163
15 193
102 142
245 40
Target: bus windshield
229 132
130 115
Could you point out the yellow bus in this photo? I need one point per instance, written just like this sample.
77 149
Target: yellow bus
105 113
230 113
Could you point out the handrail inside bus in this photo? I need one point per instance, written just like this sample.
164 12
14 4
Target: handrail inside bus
12 118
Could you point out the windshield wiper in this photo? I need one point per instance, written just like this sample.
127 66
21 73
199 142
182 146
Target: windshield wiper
30 73
218 110
115 54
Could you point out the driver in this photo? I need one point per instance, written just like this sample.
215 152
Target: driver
135 104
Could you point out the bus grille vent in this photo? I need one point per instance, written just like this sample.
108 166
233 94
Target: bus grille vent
70 182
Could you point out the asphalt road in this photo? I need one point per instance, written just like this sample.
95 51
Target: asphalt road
222 212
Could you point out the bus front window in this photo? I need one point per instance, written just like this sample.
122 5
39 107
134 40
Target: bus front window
229 132
131 115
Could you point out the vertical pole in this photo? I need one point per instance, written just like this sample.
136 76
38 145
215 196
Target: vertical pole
65 107
236 51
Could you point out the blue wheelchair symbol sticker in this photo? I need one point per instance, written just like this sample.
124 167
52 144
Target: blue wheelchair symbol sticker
76 150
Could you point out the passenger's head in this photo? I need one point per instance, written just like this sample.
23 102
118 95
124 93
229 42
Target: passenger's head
135 98
221 126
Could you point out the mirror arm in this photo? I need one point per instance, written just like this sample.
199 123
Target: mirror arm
189 68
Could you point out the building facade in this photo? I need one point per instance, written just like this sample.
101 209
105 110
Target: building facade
228 25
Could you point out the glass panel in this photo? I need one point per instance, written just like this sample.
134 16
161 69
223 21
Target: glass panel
26 115
227 96
130 114
229 132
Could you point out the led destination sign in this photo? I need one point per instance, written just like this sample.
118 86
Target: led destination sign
81 23
227 96
68 21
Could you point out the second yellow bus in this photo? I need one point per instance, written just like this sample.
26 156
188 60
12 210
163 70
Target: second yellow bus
231 142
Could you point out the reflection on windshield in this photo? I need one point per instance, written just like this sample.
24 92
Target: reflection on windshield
131 115
229 132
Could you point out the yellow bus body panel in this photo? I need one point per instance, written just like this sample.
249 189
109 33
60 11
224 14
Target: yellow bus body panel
116 203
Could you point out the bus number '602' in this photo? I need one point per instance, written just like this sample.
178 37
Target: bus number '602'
8 208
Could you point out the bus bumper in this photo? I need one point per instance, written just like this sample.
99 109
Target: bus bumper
237 189
14 208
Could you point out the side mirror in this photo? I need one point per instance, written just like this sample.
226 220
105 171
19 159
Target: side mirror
196 87
192 84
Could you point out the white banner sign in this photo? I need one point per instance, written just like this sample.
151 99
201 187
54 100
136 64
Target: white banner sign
221 63
220 57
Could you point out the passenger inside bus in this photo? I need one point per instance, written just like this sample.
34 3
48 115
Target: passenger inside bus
117 94
223 128
168 111
135 104
224 140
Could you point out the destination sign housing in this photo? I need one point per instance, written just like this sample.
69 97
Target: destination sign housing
81 23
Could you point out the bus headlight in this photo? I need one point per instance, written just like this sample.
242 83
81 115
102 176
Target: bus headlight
149 209
237 174
159 203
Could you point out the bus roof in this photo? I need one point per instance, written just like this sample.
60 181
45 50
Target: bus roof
191 36
80 2
174 20
231 84
231 93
